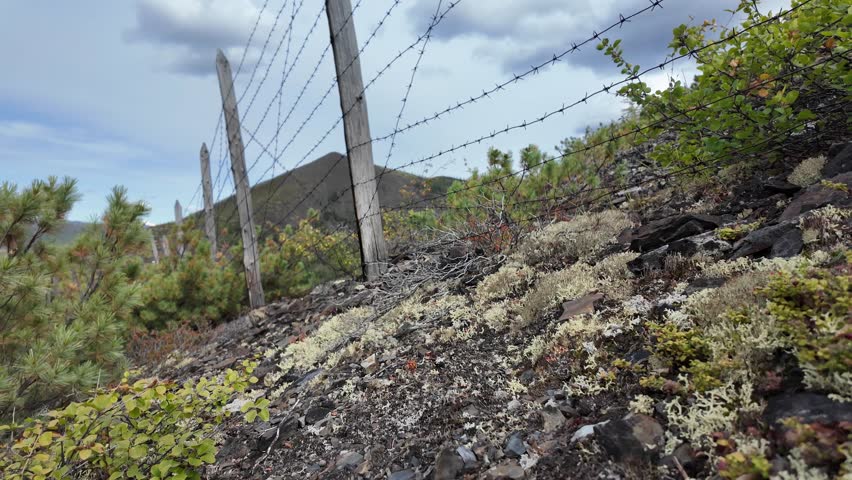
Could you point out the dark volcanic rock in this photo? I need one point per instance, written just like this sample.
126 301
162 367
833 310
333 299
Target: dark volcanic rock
840 160
819 195
777 185
707 242
809 407
402 475
633 437
765 240
664 231
448 465
789 245
515 446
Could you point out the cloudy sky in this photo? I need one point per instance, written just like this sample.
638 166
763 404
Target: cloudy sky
125 92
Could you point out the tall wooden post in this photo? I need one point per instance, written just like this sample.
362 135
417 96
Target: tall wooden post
179 224
207 188
154 249
164 240
251 259
356 130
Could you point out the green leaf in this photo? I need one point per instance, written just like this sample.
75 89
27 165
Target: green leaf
138 452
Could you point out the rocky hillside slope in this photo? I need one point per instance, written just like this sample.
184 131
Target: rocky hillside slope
294 191
684 331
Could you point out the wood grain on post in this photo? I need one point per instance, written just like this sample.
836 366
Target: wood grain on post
251 259
207 188
356 128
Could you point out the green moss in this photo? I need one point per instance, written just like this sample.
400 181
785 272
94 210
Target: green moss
732 234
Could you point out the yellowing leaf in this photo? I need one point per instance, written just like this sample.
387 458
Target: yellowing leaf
84 454
45 438
763 93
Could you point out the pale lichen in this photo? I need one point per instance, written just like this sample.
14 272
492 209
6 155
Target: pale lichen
808 172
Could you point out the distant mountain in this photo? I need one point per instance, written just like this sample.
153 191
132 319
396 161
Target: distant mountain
68 232
293 191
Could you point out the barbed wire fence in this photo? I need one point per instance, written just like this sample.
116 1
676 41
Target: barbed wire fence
275 148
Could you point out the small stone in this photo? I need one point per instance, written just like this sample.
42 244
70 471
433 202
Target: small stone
448 465
580 306
634 436
586 431
515 446
527 377
315 414
370 364
349 459
664 231
470 411
402 475
509 470
468 457
552 419
514 405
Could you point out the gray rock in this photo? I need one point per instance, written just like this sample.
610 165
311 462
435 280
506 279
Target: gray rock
635 436
515 446
402 475
508 470
777 185
763 240
580 306
586 431
707 243
468 457
349 459
448 465
840 160
819 195
315 414
808 407
685 456
789 245
552 418
664 231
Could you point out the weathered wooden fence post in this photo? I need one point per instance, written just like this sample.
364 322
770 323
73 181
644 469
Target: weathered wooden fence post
251 259
164 241
356 130
154 249
207 187
179 223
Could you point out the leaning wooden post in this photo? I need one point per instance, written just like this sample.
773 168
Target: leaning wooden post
207 187
238 169
356 130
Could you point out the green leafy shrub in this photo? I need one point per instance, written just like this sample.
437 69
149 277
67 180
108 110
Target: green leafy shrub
294 260
190 286
147 429
681 347
781 70
64 312
813 309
